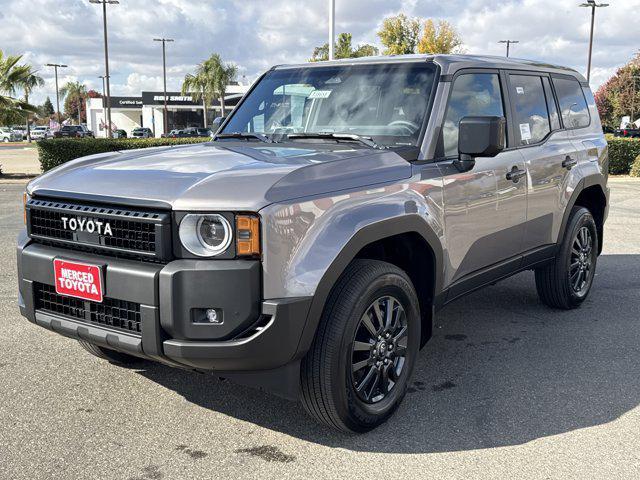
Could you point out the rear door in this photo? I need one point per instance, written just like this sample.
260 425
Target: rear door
549 152
485 212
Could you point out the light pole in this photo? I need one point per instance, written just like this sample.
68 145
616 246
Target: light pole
106 56
592 5
164 76
56 66
104 100
332 28
509 42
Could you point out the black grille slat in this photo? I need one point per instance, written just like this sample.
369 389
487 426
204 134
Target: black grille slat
111 313
117 314
136 234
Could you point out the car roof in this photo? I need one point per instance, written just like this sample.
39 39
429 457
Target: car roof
450 64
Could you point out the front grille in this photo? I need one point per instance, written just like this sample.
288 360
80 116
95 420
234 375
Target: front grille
111 313
135 234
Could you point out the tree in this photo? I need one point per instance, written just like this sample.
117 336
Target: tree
210 81
620 95
13 78
30 81
223 75
75 94
440 38
201 87
47 108
343 49
399 34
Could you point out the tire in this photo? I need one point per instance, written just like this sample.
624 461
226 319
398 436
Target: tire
111 356
343 374
566 283
6 140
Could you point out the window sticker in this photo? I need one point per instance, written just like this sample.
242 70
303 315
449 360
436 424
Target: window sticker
520 90
525 131
320 94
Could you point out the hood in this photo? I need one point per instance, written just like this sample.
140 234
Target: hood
231 176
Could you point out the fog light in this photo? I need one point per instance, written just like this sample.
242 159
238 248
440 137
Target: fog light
212 316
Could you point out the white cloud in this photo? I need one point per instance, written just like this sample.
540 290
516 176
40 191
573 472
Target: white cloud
257 34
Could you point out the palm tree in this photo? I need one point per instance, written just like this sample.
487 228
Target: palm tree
200 87
222 75
75 92
28 83
12 78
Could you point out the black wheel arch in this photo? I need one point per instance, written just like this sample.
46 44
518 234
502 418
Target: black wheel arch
591 193
412 224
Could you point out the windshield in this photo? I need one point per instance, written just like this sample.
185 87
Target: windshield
387 102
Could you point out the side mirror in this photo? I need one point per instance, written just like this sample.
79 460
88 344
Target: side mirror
215 125
480 137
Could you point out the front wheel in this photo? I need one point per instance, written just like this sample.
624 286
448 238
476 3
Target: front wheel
355 375
566 282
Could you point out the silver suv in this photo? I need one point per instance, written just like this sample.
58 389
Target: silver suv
307 248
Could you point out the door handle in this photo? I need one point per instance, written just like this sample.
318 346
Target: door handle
515 174
569 163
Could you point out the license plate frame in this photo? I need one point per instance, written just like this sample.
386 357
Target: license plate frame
78 286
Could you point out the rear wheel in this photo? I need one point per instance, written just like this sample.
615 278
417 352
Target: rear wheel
356 372
111 356
566 283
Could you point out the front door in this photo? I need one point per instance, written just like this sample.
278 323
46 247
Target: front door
485 208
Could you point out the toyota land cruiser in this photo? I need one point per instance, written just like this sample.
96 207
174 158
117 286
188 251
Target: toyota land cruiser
306 249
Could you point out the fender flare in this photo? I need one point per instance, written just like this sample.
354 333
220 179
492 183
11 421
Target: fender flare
412 223
586 182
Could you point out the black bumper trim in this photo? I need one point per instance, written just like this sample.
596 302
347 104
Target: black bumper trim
272 347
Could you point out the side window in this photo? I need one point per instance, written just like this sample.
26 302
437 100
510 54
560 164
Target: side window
573 105
554 118
472 94
530 106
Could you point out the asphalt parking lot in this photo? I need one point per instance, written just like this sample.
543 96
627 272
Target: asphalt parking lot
506 388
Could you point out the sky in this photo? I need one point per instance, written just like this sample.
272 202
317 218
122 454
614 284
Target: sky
256 34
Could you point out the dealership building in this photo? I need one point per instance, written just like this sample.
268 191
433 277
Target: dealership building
147 111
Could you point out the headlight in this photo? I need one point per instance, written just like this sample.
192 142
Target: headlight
205 235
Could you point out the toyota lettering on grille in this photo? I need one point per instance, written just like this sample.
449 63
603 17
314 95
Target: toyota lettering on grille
89 225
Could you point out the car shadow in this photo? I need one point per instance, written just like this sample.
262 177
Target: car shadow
501 370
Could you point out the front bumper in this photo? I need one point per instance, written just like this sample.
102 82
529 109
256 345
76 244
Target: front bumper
256 335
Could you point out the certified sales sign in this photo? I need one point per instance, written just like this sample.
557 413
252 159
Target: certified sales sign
79 280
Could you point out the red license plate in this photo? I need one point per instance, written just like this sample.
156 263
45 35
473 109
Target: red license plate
78 280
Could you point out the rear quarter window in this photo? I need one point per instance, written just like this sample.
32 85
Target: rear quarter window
573 105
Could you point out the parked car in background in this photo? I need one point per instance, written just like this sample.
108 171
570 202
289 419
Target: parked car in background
41 133
630 131
73 131
21 130
174 134
8 135
120 134
204 132
142 133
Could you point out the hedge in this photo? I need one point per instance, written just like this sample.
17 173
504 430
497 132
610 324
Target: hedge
622 153
635 168
61 150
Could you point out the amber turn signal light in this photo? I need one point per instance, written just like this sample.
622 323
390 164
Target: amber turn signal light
24 205
247 235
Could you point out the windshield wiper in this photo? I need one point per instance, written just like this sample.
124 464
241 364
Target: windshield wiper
350 137
245 135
